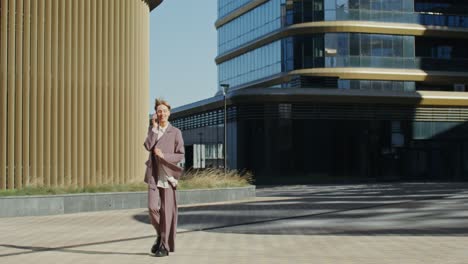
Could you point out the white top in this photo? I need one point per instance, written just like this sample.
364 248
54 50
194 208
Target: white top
164 180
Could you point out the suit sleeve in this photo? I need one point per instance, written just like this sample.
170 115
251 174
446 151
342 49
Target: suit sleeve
150 139
179 150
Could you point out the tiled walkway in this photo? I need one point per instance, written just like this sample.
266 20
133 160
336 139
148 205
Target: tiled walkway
388 223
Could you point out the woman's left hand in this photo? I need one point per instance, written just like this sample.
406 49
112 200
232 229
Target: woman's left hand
158 153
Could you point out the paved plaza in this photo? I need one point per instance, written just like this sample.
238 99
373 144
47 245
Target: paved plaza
368 223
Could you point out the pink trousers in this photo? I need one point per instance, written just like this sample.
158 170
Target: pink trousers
162 205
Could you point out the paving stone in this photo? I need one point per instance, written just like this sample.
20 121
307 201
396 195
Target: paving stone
374 223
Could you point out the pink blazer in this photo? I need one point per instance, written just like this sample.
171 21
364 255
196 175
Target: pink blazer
172 146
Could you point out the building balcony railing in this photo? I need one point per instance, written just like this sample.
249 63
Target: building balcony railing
423 63
427 18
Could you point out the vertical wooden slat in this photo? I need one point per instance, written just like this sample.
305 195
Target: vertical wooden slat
68 93
19 96
115 144
26 93
112 94
74 98
147 94
4 26
135 57
98 101
140 79
121 119
40 93
132 85
11 93
139 62
138 65
147 89
61 94
110 97
54 124
127 86
139 76
81 84
34 87
105 97
87 68
47 92
93 92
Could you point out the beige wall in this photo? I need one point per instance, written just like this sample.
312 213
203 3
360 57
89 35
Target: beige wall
73 91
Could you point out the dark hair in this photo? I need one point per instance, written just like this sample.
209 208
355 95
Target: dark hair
159 102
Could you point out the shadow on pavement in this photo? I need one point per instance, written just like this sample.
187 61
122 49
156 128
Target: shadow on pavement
70 248
378 209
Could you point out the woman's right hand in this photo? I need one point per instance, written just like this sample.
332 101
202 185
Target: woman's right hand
155 120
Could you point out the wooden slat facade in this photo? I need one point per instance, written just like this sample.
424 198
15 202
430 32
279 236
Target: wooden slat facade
73 91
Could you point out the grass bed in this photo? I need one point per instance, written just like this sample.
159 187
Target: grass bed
194 179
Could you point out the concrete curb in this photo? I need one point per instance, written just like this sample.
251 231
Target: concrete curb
90 202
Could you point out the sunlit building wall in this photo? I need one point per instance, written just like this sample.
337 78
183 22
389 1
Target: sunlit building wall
73 91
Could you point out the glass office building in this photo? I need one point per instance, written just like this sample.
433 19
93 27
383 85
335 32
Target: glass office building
337 90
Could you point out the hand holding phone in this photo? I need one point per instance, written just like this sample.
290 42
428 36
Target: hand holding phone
154 119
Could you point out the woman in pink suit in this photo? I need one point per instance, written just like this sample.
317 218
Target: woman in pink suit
166 149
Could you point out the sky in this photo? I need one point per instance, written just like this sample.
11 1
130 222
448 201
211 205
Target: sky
183 46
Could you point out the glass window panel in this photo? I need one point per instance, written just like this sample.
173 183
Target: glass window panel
365 45
318 5
376 85
398 46
344 84
329 4
410 86
376 45
376 5
365 85
386 85
330 15
343 4
343 44
408 46
318 46
307 10
407 5
354 45
387 46
365 4
397 86
353 4
355 84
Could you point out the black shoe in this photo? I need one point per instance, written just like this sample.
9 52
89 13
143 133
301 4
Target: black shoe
156 245
162 252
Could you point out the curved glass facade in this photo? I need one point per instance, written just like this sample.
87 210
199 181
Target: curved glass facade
377 85
227 6
368 50
349 50
256 23
257 64
441 6
317 51
330 50
333 50
274 14
398 11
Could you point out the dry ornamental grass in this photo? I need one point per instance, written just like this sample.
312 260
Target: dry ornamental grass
193 179
215 178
